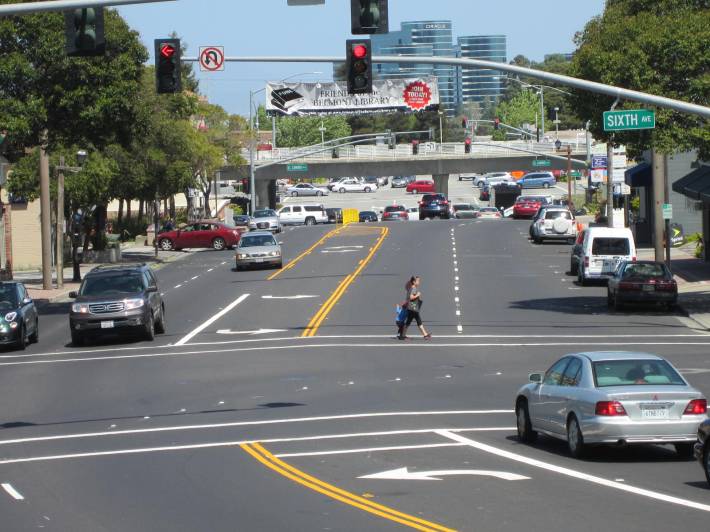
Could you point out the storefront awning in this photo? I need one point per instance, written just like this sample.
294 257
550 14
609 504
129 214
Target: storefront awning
639 175
696 185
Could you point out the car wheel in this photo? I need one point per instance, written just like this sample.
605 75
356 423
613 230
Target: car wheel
218 244
368 189
319 193
414 191
310 221
575 438
149 332
166 244
526 434
294 194
546 185
706 461
160 326
34 337
77 339
21 342
342 190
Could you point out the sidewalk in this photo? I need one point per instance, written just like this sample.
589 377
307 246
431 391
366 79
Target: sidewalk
134 254
693 278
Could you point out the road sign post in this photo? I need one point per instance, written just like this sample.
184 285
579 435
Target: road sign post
629 119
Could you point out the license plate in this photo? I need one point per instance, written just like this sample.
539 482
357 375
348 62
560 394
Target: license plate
654 413
107 325
649 288
258 260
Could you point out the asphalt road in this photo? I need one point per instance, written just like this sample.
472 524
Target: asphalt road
274 393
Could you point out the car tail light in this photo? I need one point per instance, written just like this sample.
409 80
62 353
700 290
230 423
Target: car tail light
586 262
421 203
625 285
633 259
667 286
696 407
609 408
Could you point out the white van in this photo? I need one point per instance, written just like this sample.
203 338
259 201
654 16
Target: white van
303 215
603 249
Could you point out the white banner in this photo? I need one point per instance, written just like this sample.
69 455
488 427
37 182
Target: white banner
388 96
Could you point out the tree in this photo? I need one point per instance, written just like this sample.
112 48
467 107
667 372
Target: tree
656 46
518 111
294 131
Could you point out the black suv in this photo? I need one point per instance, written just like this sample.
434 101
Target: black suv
434 205
117 297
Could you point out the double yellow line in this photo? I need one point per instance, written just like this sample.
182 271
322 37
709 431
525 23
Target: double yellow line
324 310
257 451
303 255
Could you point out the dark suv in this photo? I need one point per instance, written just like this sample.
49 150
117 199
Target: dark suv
117 297
434 205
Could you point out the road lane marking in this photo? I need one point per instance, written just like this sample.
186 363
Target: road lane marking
12 491
403 473
262 455
371 450
573 473
178 285
322 314
289 297
303 255
250 333
210 321
195 277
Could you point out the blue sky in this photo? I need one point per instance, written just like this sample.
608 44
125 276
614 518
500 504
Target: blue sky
270 27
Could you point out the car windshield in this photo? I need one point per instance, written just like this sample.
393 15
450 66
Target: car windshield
8 296
103 285
635 373
610 246
645 271
489 209
266 213
254 241
395 208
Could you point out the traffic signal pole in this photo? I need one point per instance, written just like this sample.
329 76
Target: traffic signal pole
65 5
45 216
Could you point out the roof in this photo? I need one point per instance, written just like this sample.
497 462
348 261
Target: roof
257 233
695 185
598 356
109 268
611 231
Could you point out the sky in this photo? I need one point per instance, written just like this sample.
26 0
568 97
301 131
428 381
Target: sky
271 27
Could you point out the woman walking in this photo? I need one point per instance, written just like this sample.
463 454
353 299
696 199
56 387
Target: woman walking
414 305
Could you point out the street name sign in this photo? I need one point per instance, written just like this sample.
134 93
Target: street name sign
541 163
667 211
297 168
630 119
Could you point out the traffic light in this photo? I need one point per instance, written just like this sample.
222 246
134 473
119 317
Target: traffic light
369 16
496 123
467 145
168 71
392 142
464 123
415 147
84 32
359 66
245 186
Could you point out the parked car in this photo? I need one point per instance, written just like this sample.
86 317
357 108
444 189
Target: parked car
306 189
303 215
115 299
554 223
576 256
367 216
352 184
434 206
381 181
335 215
395 213
465 210
702 448
333 185
642 282
603 250
421 187
611 398
537 180
204 234
19 319
399 181
265 220
493 178
470 177
241 220
489 213
259 248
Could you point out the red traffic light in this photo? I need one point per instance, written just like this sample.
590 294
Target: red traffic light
167 50
359 51
468 141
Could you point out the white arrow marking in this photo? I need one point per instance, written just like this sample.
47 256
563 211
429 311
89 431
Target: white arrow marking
288 297
404 474
252 333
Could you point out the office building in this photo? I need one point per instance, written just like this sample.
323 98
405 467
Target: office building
481 85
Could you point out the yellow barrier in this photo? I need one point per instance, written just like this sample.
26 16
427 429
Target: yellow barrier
351 216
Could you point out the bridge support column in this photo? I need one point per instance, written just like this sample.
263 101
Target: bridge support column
263 196
441 183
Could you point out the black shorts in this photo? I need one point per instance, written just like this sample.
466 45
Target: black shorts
414 316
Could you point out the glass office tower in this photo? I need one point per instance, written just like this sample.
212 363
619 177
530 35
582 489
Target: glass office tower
481 85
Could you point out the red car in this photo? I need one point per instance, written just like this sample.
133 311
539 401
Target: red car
527 206
200 235
395 212
420 187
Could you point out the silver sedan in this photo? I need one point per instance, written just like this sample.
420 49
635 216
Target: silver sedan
611 398
306 189
258 248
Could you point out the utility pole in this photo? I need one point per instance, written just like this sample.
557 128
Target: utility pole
658 180
610 182
667 199
59 261
45 216
570 203
542 113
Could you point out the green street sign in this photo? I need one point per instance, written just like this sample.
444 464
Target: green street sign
297 168
629 120
542 163
667 211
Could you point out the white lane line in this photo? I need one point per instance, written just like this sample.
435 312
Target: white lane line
239 442
178 285
280 421
574 474
459 328
225 262
210 321
195 277
371 450
210 270
12 492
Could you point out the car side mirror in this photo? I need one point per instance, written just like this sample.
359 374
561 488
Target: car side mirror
535 377
73 295
27 301
151 289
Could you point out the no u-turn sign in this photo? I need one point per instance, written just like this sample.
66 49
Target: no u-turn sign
211 58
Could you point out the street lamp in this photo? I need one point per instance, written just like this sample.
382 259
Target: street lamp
557 124
541 93
59 236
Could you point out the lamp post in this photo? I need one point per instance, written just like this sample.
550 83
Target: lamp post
59 233
557 123
541 93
